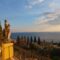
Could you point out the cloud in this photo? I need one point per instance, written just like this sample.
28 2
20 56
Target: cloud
48 22
34 2
31 3
54 28
55 4
29 6
50 18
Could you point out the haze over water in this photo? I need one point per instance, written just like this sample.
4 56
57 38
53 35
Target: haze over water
48 36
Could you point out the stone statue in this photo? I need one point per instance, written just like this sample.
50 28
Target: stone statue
6 30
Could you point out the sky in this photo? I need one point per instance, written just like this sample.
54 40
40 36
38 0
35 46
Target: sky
31 15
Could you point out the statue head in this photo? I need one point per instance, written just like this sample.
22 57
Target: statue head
5 21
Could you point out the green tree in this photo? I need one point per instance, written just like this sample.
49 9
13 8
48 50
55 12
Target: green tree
58 44
39 40
18 40
35 39
31 40
27 40
24 37
1 33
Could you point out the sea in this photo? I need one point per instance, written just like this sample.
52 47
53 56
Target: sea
47 36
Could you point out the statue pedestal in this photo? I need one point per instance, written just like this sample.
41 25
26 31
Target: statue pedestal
7 51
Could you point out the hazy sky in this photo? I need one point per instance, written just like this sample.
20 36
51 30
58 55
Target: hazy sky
31 15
